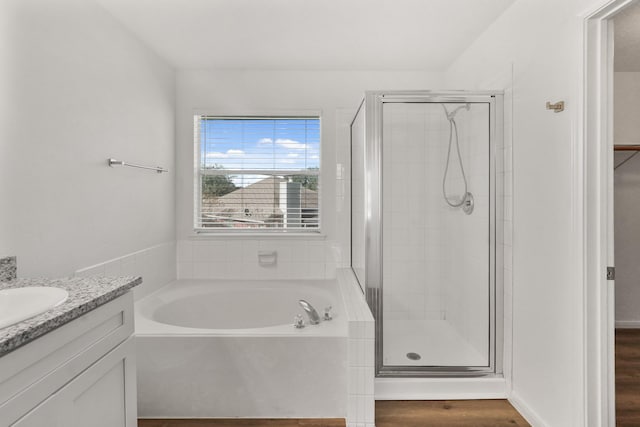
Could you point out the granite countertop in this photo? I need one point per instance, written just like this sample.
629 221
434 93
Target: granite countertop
85 294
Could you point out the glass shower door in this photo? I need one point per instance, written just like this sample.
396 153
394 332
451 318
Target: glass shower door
436 238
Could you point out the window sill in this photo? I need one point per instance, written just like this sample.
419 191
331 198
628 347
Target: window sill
256 235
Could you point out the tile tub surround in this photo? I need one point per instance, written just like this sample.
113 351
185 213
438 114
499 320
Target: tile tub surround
85 294
8 269
251 363
361 352
156 264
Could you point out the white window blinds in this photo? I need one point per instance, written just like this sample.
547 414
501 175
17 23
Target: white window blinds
257 173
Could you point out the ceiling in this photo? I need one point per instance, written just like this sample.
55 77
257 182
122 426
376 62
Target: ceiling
626 26
308 34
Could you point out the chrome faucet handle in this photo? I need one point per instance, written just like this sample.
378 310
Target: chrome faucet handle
298 322
328 315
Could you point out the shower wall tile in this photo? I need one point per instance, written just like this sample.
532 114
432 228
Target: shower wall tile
395 315
508 183
508 233
508 328
508 208
508 158
508 257
506 166
411 222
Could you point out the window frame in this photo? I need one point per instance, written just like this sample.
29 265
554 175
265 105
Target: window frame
309 232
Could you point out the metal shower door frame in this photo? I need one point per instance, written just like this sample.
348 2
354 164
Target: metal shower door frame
373 104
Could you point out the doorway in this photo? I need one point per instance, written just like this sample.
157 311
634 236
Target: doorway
610 159
626 195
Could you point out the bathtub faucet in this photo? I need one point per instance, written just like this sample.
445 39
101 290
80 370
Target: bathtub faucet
314 318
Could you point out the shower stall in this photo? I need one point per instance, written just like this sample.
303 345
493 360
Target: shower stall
425 199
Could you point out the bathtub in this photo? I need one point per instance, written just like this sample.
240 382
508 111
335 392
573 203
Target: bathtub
221 349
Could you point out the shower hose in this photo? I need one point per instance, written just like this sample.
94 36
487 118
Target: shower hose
453 129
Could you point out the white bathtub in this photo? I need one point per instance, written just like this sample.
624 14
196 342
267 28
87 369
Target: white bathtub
216 349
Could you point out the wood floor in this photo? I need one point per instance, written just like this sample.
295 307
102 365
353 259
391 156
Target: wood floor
628 377
450 413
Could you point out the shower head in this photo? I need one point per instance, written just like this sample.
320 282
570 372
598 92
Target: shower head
452 115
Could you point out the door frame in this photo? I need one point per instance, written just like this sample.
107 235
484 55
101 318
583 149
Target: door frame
597 221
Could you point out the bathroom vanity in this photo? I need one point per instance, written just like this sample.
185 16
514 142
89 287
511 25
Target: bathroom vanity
73 365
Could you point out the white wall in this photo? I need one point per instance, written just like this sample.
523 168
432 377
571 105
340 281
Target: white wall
77 88
337 94
626 98
533 51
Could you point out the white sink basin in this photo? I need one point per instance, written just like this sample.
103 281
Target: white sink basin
19 304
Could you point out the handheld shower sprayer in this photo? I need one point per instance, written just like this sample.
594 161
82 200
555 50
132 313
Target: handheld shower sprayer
466 200
452 115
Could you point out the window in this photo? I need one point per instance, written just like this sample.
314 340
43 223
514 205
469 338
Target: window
257 173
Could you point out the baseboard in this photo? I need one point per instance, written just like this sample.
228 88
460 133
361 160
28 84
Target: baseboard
628 324
440 388
527 413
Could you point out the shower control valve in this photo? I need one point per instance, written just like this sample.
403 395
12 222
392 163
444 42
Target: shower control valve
328 315
298 322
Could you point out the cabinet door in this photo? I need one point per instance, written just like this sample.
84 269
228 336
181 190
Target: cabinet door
104 395
45 414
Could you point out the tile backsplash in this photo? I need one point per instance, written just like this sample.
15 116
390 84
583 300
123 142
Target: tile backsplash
240 259
156 265
8 268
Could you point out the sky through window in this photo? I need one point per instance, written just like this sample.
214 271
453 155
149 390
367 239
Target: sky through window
260 144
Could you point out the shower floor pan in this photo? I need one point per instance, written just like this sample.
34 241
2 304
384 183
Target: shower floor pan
436 342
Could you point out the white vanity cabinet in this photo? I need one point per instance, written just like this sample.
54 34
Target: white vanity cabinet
81 374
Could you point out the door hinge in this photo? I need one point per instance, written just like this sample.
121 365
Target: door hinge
611 273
